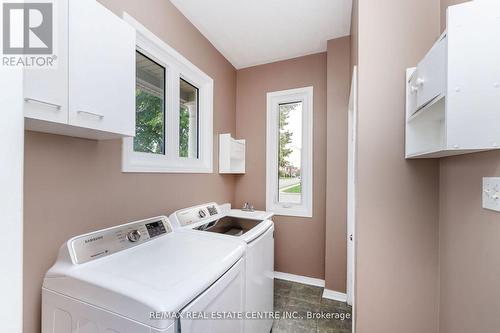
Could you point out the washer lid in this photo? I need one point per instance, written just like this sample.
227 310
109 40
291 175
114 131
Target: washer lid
248 236
162 275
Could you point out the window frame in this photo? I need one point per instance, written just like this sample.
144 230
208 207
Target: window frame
176 67
274 99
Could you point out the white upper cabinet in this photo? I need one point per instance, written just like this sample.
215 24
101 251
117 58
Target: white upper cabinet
92 92
45 90
453 95
101 69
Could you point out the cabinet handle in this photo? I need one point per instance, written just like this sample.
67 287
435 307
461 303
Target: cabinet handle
100 116
33 100
420 82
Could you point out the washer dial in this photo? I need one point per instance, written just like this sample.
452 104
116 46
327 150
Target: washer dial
134 235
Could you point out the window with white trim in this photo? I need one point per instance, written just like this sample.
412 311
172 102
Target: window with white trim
289 156
174 111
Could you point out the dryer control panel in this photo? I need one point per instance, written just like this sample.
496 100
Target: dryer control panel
102 243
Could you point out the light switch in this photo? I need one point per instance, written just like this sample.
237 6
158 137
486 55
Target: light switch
491 193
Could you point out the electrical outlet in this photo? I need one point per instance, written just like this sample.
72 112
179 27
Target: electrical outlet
491 193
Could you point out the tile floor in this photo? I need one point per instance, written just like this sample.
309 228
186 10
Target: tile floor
299 299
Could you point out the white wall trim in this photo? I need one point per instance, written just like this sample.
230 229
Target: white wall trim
351 200
327 293
300 279
334 295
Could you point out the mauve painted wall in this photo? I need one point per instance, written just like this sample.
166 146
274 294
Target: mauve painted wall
397 200
469 239
338 89
73 186
300 242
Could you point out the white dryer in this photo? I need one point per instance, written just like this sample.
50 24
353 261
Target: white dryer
142 277
256 229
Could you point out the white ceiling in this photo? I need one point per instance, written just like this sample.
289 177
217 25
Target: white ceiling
254 32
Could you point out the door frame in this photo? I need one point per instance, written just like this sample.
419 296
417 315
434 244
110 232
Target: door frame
351 189
11 199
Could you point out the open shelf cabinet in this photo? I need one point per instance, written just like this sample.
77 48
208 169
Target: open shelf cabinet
453 95
231 155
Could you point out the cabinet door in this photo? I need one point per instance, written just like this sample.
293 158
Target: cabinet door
430 78
101 69
46 90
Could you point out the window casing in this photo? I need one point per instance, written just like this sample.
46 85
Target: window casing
188 116
289 153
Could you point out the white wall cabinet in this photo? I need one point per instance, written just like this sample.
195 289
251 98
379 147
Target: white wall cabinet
231 155
46 90
453 95
92 92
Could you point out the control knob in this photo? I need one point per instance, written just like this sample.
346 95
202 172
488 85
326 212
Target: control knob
202 213
134 235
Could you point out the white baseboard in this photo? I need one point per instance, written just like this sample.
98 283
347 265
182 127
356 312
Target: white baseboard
300 279
327 293
334 295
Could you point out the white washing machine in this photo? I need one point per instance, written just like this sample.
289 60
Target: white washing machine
256 229
142 277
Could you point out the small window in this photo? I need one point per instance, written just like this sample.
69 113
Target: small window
174 111
150 106
289 152
188 120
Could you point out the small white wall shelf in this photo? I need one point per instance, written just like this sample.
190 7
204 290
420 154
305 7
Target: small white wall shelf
231 155
453 95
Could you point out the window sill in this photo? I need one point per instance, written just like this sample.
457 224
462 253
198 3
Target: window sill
298 211
134 162
139 169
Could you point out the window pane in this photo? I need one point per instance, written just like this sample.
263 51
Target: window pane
150 106
188 120
289 153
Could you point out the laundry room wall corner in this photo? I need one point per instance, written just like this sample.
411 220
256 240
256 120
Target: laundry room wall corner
299 242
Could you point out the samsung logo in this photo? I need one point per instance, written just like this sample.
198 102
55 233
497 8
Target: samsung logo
93 239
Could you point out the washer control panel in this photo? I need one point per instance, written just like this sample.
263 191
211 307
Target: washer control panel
197 214
105 242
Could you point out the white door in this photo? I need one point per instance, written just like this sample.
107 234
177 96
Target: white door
101 69
351 187
46 90
224 296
